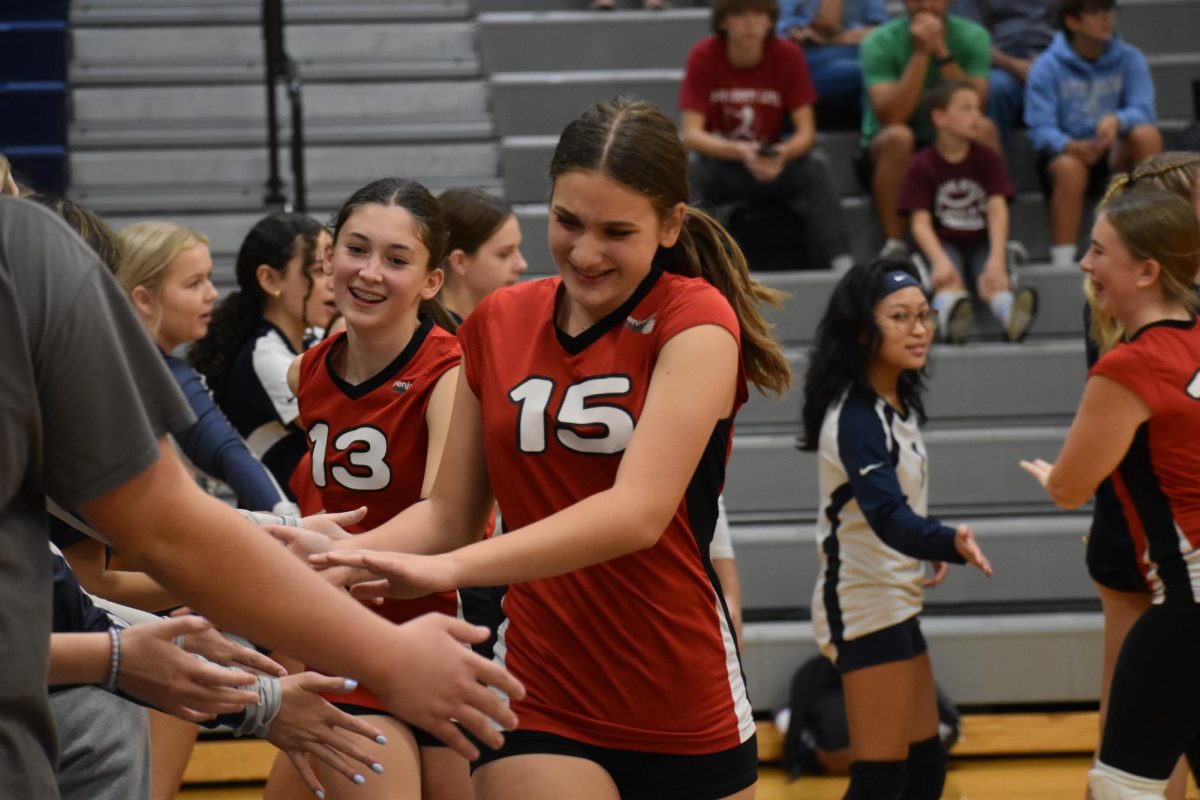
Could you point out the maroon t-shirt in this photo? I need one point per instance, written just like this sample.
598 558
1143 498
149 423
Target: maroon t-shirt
956 194
746 104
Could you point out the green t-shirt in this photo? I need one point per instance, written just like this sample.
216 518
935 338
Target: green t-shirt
885 53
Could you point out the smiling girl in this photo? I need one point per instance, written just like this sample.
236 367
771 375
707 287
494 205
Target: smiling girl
484 251
375 402
597 408
1137 424
862 409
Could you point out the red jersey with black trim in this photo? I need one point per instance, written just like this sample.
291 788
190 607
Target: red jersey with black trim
635 653
368 442
1156 481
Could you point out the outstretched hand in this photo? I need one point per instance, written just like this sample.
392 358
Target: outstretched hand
438 685
157 672
318 533
308 725
404 575
968 548
1039 469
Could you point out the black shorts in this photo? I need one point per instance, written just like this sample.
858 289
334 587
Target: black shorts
424 738
1111 559
900 642
1098 175
645 776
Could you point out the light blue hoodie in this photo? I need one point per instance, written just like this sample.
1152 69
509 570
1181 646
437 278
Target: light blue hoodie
1067 95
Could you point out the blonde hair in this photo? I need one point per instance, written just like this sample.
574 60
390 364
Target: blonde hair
1177 172
1158 225
6 176
148 248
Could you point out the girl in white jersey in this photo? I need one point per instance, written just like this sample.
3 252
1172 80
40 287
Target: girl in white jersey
862 406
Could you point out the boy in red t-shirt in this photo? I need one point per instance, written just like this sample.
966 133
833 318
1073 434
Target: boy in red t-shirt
739 84
956 193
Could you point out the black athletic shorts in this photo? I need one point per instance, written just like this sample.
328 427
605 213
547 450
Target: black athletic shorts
424 738
900 642
1111 559
645 776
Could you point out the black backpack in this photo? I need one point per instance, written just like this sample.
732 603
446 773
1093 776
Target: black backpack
818 717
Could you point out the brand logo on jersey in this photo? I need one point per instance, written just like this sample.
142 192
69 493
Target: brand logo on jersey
400 387
869 469
641 325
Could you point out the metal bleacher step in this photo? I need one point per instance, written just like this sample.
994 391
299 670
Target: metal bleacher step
971 471
215 180
1037 560
570 40
977 659
1060 300
189 12
976 384
227 115
234 53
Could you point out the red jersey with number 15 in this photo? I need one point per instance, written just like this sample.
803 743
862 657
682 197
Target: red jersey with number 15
368 442
635 653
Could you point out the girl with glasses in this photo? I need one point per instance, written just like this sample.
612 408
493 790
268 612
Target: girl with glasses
862 409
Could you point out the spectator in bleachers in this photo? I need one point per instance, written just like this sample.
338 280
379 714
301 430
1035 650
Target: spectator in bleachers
484 250
830 32
957 193
900 60
283 302
1089 105
741 86
1020 30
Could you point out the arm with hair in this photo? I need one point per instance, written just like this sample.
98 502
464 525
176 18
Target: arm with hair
800 142
931 246
706 143
896 100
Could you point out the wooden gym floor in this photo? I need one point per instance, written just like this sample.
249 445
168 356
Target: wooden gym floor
1014 756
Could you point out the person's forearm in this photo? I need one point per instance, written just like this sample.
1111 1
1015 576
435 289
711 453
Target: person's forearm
901 101
184 538
604 526
712 145
997 226
425 528
927 240
79 658
799 143
136 589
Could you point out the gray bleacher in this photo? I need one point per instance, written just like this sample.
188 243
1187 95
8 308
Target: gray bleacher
168 116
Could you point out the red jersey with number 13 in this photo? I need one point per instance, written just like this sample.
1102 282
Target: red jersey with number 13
635 653
368 442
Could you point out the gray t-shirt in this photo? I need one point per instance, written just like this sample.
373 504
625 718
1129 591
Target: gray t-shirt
84 395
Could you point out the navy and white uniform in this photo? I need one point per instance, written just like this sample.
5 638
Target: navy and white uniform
872 532
258 402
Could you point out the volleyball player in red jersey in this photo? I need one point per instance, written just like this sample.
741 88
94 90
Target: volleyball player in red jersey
1138 421
598 407
375 403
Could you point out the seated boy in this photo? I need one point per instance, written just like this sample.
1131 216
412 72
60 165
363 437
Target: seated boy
738 86
1089 105
956 193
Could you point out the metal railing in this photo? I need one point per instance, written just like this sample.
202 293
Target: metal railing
281 68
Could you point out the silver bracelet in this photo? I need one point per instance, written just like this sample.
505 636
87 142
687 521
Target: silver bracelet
114 663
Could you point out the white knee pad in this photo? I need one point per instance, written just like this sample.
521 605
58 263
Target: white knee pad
1108 783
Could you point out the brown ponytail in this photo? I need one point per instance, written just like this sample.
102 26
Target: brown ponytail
637 145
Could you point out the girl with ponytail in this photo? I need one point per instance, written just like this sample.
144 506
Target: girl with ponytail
282 302
596 407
